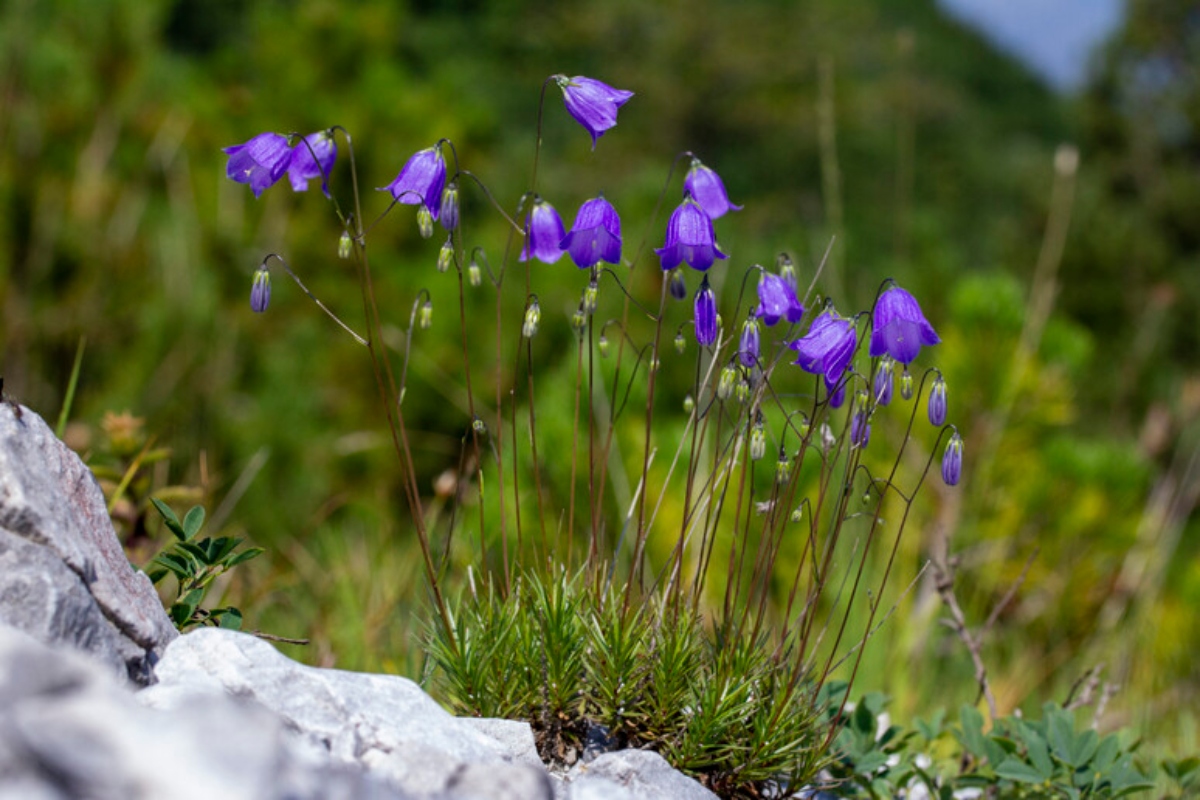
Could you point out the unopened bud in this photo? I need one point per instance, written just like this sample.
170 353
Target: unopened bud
425 316
783 470
579 321
742 391
680 343
479 426
804 427
727 382
937 402
952 461
758 440
884 381
533 318
689 403
906 384
345 245
590 296
260 290
787 270
424 221
474 273
677 285
445 256
448 213
798 514
602 346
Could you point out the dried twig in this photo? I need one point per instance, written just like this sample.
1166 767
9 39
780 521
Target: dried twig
944 575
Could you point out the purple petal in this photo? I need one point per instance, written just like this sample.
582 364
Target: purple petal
707 188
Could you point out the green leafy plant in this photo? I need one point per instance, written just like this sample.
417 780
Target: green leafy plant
1016 758
195 564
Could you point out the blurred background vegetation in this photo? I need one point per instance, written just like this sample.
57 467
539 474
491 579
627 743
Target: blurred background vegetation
1068 311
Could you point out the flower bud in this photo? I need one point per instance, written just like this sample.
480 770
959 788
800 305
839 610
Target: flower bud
689 403
655 363
448 213
425 316
783 470
533 318
758 440
474 273
579 321
838 398
680 343
798 514
706 319
345 245
952 461
804 427
424 221
937 402
479 426
884 381
786 269
742 391
602 346
906 384
260 291
748 346
590 296
726 382
677 285
445 256
860 429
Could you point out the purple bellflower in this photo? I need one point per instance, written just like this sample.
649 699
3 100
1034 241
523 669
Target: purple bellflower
596 234
706 315
884 382
312 157
421 180
592 103
690 238
259 162
837 397
898 326
543 233
827 347
777 300
707 188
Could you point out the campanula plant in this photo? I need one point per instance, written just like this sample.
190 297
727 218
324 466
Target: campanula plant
612 556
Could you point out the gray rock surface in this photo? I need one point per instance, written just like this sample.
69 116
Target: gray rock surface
69 729
63 575
639 774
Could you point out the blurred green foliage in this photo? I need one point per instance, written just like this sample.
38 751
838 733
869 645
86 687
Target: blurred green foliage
925 152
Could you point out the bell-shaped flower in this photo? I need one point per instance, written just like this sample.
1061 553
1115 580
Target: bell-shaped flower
421 180
690 238
259 162
592 103
827 347
706 315
898 328
312 157
777 300
707 188
596 234
884 382
543 233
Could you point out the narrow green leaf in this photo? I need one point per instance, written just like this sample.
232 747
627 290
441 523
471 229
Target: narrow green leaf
172 521
192 522
220 548
244 556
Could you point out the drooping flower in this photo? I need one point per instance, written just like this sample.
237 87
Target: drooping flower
952 461
259 162
706 315
707 188
884 381
596 234
749 345
898 326
860 429
260 291
837 396
937 402
777 300
592 103
312 157
827 347
421 180
544 231
690 238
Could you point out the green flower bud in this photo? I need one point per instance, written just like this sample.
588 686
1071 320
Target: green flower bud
424 221
906 384
758 440
783 470
533 318
727 382
689 403
680 343
345 245
445 256
579 321
474 273
425 316
602 346
590 296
